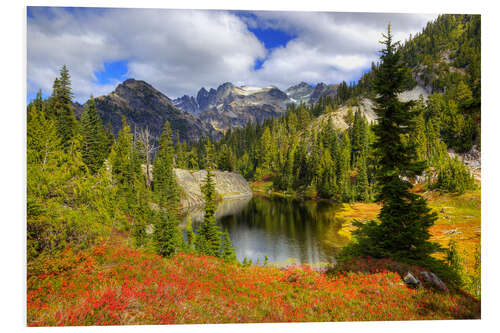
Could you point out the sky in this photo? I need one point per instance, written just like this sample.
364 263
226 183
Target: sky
180 51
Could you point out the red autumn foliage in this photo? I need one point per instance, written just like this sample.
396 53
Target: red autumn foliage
113 285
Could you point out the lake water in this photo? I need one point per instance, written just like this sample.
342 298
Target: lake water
283 229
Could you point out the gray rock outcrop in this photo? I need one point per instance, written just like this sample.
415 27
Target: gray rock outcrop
228 185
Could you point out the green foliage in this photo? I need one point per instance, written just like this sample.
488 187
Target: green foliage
453 258
167 236
95 142
165 183
404 218
63 107
190 236
66 206
208 240
225 159
121 158
455 177
227 251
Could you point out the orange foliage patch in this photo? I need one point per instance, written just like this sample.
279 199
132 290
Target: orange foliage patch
115 285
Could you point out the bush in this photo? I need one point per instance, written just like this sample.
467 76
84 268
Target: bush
454 177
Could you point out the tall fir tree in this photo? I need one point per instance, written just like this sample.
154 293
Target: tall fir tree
405 219
165 184
121 157
167 236
63 107
227 251
208 240
94 140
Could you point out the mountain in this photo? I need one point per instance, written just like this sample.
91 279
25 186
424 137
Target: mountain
308 94
144 106
232 106
323 90
187 103
300 93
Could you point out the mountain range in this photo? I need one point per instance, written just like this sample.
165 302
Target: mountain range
210 113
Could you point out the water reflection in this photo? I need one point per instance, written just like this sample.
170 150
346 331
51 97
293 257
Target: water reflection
285 230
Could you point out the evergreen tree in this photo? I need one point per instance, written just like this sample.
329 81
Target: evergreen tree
167 236
208 237
208 240
454 176
94 141
362 185
225 162
165 183
121 158
404 218
42 137
227 251
63 107
327 180
264 152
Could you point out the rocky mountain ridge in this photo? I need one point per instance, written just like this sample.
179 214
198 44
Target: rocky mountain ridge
234 106
144 106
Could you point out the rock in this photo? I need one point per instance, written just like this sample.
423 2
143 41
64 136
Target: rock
434 280
411 281
228 185
453 231
232 106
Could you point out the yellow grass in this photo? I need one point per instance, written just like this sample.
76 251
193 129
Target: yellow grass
459 216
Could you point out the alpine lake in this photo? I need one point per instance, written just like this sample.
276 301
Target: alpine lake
285 230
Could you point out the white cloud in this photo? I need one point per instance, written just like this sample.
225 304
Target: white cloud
178 51
329 47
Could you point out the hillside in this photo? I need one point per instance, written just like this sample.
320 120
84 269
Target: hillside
144 106
114 285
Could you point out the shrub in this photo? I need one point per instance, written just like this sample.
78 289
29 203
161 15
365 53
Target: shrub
454 176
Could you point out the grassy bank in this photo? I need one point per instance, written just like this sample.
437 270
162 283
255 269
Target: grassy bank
459 218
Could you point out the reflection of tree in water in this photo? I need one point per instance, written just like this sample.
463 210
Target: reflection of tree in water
224 208
282 228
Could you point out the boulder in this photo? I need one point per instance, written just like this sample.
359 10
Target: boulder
411 281
431 278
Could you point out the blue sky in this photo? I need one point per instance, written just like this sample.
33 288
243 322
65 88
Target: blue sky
179 51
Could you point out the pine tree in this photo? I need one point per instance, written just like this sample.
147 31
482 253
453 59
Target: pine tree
362 185
42 137
94 140
165 183
121 158
208 240
327 180
63 107
264 156
404 218
167 236
343 159
227 251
